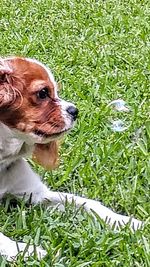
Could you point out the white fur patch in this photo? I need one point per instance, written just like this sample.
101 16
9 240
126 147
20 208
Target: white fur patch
10 249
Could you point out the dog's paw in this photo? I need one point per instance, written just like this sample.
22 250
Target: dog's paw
133 223
118 221
10 249
115 220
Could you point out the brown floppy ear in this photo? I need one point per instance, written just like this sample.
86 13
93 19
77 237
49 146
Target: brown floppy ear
46 155
6 93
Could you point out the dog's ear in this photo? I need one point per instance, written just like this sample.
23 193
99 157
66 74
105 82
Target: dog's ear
46 155
6 92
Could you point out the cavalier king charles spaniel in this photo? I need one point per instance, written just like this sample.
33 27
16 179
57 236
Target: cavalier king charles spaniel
32 119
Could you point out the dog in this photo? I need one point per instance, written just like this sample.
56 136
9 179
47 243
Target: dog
32 120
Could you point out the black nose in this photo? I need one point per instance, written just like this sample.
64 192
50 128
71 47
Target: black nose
73 111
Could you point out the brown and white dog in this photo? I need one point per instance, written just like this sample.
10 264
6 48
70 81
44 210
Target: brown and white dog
32 119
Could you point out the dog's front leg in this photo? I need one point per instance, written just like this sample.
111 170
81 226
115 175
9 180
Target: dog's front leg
110 217
28 182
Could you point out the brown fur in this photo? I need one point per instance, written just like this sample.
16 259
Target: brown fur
46 155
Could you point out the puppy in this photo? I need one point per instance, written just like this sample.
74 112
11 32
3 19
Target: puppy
32 119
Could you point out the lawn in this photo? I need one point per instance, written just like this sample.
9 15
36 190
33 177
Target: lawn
99 51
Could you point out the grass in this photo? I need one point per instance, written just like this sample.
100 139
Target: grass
99 51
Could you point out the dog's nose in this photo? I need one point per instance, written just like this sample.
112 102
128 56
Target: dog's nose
73 111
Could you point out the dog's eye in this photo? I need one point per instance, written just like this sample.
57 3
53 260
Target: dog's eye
43 93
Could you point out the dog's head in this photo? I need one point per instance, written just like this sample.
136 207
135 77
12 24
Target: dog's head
29 103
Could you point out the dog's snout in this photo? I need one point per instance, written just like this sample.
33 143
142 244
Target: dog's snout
73 111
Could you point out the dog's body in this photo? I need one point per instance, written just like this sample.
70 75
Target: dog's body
22 132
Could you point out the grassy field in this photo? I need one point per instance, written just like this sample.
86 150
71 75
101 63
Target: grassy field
99 51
